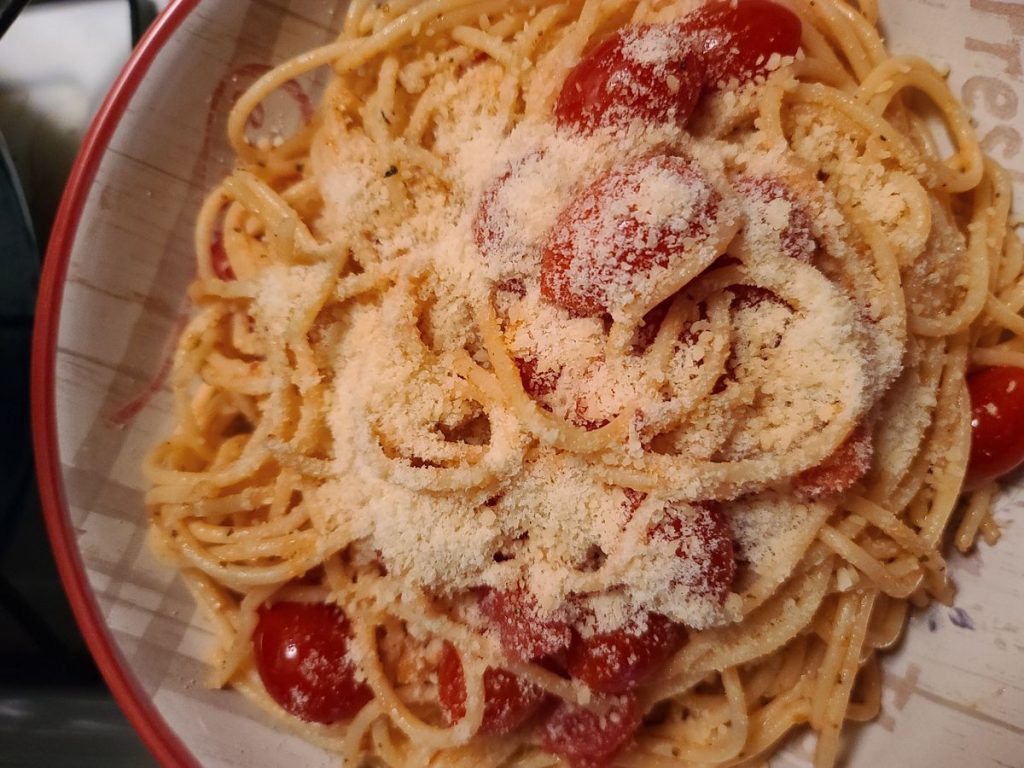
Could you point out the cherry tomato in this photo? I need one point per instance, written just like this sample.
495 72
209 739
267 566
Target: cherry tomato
301 652
736 40
585 739
615 232
580 417
513 285
492 223
796 240
751 296
508 701
841 470
632 502
535 382
493 226
618 661
649 72
524 636
714 557
997 423
705 523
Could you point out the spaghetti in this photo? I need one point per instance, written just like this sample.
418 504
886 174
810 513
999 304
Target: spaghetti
586 382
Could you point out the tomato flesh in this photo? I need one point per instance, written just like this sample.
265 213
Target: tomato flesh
492 230
997 423
586 739
618 661
536 383
616 232
508 701
648 73
737 40
301 652
580 416
524 636
714 555
796 240
706 524
841 470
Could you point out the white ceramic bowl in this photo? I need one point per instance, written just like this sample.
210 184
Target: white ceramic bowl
113 299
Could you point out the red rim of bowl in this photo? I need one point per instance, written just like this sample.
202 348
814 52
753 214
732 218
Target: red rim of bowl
143 715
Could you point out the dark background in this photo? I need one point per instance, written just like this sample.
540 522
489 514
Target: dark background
56 61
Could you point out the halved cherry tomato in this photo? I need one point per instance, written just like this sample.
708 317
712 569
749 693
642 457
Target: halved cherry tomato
714 556
511 285
508 701
705 523
997 423
618 661
645 72
492 228
535 382
580 417
737 39
841 470
301 652
524 636
616 231
632 501
796 240
585 739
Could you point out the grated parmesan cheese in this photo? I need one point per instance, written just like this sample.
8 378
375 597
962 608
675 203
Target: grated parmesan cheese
475 227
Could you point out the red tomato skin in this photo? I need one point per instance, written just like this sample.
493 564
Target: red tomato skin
489 234
841 470
618 661
997 423
797 240
536 383
219 262
524 636
585 739
579 416
609 87
493 231
717 557
508 701
649 244
736 40
512 285
707 522
301 652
